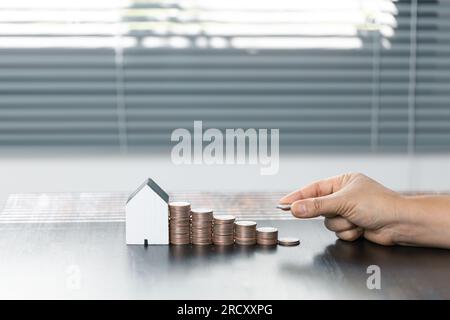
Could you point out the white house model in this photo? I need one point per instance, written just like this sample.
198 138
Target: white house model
147 215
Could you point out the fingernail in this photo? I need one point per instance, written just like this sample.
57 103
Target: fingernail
302 209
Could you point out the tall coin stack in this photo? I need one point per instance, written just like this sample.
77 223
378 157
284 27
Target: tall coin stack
223 230
245 232
267 236
201 226
179 223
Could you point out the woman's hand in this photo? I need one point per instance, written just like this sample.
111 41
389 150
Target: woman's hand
354 205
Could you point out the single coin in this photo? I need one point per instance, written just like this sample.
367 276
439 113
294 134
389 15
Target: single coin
201 235
223 234
201 238
202 244
288 242
229 243
267 229
223 240
180 227
180 241
284 206
180 218
202 215
224 226
179 223
245 223
180 208
245 236
240 229
179 204
201 223
245 243
224 218
178 233
201 210
180 212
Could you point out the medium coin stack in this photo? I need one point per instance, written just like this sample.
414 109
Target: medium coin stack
223 230
201 226
179 223
245 232
267 236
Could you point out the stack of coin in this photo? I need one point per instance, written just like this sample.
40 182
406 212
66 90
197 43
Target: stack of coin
267 236
223 230
245 232
201 226
179 223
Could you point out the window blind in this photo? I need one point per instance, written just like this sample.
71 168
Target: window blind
362 75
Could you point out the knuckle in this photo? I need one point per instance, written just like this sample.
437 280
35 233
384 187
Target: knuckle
346 177
301 194
318 190
317 204
358 174
351 176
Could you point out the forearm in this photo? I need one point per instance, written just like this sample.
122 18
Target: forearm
425 221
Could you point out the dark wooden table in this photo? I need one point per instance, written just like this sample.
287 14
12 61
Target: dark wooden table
68 246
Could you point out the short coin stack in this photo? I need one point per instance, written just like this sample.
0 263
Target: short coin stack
179 223
223 230
201 226
245 232
267 236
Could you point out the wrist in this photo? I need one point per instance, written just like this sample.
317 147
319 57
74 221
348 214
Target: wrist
423 221
408 221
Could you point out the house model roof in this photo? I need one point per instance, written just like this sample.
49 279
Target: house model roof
154 186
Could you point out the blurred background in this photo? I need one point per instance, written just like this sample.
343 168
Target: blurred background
90 90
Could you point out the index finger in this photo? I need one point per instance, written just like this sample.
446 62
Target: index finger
317 189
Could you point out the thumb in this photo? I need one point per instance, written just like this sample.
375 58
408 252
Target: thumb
314 207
